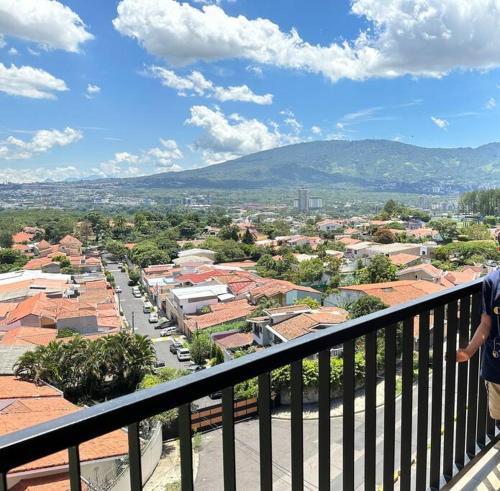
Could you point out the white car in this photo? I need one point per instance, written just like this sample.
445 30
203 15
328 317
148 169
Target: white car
153 318
183 354
118 289
167 331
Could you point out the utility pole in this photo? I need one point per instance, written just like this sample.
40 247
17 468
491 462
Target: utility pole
133 321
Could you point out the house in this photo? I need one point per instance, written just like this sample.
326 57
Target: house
70 245
426 272
348 241
283 292
219 313
465 275
192 261
393 249
403 259
22 238
189 300
329 225
19 285
43 248
278 325
358 249
24 404
197 252
230 341
423 233
391 292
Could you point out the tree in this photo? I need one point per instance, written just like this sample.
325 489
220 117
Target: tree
188 230
248 237
147 252
6 239
201 347
116 249
446 227
477 231
384 236
11 260
309 301
379 270
134 277
390 207
229 232
367 304
309 271
90 370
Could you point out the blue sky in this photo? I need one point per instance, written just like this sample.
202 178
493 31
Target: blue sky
131 87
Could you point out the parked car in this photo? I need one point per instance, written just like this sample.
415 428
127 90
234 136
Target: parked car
168 331
193 367
183 354
163 323
118 289
137 294
175 346
215 395
153 318
147 307
159 364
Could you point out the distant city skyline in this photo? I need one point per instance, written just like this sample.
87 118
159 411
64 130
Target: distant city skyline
134 87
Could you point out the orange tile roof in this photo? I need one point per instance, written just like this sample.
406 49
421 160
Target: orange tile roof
38 263
464 276
396 292
29 336
21 247
21 237
220 313
427 268
349 241
36 411
234 339
70 240
14 388
275 287
52 482
43 245
305 323
5 308
403 259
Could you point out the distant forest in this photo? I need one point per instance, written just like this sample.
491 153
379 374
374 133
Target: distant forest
486 202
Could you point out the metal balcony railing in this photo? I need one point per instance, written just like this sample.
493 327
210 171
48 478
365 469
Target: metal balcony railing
452 420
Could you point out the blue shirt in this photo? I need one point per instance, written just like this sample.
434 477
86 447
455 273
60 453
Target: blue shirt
490 369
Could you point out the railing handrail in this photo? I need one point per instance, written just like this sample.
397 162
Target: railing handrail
71 430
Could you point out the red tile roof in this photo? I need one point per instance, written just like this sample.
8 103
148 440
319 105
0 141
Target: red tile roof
70 240
275 287
43 244
349 241
52 482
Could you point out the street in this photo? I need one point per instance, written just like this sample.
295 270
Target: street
132 309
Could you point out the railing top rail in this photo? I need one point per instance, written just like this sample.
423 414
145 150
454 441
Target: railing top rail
32 443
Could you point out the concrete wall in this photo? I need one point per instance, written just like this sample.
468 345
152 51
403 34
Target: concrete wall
84 325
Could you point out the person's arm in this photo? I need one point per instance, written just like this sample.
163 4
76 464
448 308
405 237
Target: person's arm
480 336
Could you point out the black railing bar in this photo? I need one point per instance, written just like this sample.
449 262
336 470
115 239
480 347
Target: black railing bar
61 433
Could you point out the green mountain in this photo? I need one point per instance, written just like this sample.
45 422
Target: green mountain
370 164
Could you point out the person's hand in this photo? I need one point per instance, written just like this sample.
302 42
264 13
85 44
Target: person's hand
462 356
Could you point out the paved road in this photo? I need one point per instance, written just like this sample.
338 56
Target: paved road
132 309
209 474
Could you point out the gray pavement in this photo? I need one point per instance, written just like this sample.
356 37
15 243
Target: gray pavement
132 309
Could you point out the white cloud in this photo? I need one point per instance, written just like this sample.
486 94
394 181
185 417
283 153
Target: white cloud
403 37
42 141
196 84
316 130
13 51
125 164
30 82
2 41
491 103
339 126
226 138
92 91
46 22
293 124
256 70
440 123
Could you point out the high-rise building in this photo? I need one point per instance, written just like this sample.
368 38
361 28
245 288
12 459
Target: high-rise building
315 203
303 200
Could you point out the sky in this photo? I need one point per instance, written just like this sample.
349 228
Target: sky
93 88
